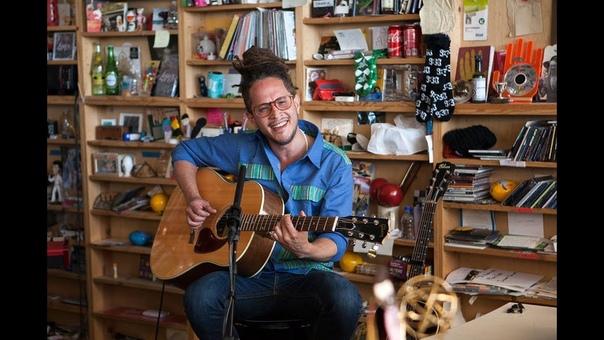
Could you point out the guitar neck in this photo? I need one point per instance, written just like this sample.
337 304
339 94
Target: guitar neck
424 236
266 223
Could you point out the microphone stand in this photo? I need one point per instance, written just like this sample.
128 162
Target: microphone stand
233 223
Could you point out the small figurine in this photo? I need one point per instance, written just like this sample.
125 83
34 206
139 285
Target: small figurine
185 126
167 130
58 191
131 21
140 19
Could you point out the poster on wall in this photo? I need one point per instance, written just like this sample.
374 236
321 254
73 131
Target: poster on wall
475 19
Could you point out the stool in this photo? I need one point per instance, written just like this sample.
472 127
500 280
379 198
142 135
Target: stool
274 329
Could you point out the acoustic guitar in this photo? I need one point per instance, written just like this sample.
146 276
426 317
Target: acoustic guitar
180 255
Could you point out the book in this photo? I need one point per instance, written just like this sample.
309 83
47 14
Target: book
534 192
289 23
228 39
166 84
512 280
511 241
474 236
465 63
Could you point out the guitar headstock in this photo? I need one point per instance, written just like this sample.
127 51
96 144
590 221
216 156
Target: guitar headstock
370 229
439 181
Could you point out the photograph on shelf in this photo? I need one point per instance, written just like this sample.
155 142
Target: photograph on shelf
64 46
166 84
108 122
105 163
134 121
156 117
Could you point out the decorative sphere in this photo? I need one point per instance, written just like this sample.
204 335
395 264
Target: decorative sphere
350 260
502 188
158 202
140 238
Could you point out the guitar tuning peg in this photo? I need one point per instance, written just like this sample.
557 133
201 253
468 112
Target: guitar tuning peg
373 251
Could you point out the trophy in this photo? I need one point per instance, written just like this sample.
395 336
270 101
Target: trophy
500 87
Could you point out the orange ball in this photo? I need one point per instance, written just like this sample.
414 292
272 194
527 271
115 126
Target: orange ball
350 260
502 189
158 202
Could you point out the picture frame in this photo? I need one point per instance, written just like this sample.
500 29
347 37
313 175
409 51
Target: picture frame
105 163
64 46
134 121
108 122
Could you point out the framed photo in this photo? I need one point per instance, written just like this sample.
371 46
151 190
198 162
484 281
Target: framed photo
108 122
134 121
64 46
105 163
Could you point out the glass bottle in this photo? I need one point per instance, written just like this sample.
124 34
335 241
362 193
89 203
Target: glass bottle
407 224
111 73
98 71
479 82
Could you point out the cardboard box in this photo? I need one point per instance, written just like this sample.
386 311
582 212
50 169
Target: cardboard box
57 254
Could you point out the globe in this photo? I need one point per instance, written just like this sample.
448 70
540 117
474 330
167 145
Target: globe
502 188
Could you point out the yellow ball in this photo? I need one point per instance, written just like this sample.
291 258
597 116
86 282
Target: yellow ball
158 202
350 260
502 188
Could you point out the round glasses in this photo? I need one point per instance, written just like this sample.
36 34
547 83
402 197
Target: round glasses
281 103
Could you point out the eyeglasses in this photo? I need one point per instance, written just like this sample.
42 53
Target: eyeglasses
281 103
516 308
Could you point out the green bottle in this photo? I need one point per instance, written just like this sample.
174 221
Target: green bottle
111 74
98 71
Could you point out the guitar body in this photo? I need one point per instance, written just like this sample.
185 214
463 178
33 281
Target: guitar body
180 256
179 261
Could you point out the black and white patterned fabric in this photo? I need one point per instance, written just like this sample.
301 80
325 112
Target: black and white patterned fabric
435 98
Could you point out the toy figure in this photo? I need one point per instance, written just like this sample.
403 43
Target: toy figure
58 191
131 21
185 126
140 19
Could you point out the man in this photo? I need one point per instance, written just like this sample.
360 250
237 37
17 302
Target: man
313 177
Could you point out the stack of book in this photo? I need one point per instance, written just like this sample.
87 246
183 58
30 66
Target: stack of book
472 236
538 192
469 183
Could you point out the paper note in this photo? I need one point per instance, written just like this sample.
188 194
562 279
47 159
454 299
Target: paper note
475 19
480 219
352 39
525 224
162 39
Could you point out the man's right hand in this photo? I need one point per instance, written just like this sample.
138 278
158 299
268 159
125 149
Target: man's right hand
197 212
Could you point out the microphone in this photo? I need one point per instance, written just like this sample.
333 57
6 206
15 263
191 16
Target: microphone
200 123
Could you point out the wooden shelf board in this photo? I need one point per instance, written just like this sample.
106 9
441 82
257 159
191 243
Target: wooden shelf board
62 62
65 307
231 103
205 62
61 28
139 215
65 274
130 145
232 7
59 100
475 161
362 19
144 33
60 141
59 207
362 155
146 101
521 299
334 106
497 207
516 254
125 248
532 109
134 315
136 180
381 61
138 283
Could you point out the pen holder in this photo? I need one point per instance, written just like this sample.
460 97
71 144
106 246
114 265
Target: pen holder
215 84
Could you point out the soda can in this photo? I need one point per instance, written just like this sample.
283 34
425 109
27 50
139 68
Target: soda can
395 41
412 37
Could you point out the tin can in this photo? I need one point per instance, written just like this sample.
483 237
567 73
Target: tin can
412 37
395 41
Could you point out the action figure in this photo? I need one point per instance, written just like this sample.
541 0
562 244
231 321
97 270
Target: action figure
58 191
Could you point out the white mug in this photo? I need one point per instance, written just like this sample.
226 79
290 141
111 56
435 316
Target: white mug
393 214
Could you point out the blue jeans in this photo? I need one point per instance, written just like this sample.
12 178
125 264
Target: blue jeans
327 299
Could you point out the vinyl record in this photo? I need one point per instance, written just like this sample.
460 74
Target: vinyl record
520 79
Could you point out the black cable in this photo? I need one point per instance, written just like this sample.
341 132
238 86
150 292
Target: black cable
161 301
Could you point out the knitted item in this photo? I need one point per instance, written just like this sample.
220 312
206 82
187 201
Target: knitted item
436 91
365 73
476 137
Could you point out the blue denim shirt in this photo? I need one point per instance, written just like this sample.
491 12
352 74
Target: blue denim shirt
320 183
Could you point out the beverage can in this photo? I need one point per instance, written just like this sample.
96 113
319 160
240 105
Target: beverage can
395 41
412 37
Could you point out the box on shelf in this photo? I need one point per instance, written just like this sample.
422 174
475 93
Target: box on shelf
57 254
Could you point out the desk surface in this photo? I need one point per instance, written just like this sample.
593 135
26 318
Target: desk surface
535 323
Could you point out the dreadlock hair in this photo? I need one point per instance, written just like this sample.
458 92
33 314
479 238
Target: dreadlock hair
260 63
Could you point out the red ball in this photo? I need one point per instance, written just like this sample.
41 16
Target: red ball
374 186
390 195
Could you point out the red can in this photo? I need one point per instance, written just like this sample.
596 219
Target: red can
395 41
412 38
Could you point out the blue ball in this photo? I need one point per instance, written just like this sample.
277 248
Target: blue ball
140 238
